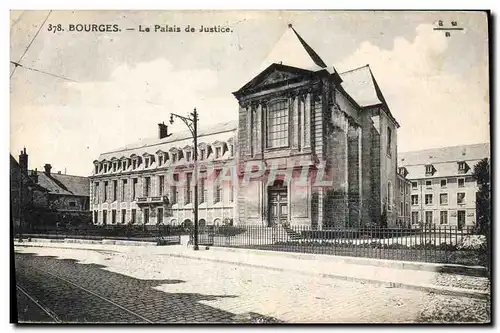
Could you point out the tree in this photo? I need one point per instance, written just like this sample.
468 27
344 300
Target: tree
483 207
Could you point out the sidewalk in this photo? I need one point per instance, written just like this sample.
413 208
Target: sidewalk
380 272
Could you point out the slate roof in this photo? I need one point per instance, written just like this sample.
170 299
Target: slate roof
207 134
64 184
359 83
444 160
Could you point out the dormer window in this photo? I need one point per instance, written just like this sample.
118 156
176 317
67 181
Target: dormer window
105 167
114 166
218 152
146 162
463 167
134 164
174 157
429 169
188 156
202 154
124 165
96 168
160 160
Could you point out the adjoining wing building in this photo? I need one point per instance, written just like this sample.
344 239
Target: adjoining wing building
311 147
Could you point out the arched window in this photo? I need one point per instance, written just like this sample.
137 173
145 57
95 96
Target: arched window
389 196
277 124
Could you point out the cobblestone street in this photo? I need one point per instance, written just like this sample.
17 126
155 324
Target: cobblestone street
134 287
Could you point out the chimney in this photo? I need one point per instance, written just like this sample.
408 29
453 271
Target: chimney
162 131
47 169
34 175
23 160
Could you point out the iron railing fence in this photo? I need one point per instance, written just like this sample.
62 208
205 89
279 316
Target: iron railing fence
439 244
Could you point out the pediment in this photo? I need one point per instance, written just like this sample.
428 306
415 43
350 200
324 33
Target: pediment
274 75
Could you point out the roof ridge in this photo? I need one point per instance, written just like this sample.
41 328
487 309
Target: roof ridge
314 56
445 147
355 69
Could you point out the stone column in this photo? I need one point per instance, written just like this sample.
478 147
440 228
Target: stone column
307 121
294 119
258 128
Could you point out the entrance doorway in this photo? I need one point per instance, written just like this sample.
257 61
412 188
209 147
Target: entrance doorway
461 219
278 204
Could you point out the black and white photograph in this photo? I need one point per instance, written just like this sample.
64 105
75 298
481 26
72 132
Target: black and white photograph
250 167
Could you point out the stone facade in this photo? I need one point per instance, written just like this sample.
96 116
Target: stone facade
443 191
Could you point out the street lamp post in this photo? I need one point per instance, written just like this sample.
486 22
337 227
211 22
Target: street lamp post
192 123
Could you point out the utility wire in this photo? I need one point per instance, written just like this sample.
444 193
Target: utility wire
32 40
40 71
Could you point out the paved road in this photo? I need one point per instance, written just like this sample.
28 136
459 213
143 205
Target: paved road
104 286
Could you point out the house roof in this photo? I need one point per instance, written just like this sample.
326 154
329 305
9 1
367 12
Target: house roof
15 165
64 184
359 83
445 154
292 50
207 134
445 160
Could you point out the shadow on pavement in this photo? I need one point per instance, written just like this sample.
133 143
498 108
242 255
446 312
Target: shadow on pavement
136 295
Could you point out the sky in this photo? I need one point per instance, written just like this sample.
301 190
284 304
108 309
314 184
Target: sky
107 90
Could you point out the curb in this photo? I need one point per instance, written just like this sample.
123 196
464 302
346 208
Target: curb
478 271
88 241
450 291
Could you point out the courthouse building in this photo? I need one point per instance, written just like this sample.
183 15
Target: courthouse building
297 118
443 191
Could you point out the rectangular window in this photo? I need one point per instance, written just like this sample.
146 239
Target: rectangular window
173 189
124 165
414 217
96 217
429 169
428 217
161 184
134 189
134 214
174 158
188 156
104 217
443 217
414 185
202 187
134 164
146 216
428 199
218 187
115 187
105 191
96 170
218 152
124 216
105 167
401 209
113 216
460 198
159 216
202 154
414 199
114 166
428 183
461 166
160 160
72 204
277 124
146 162
96 192
389 140
189 194
124 189
461 182
444 182
443 198
147 186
